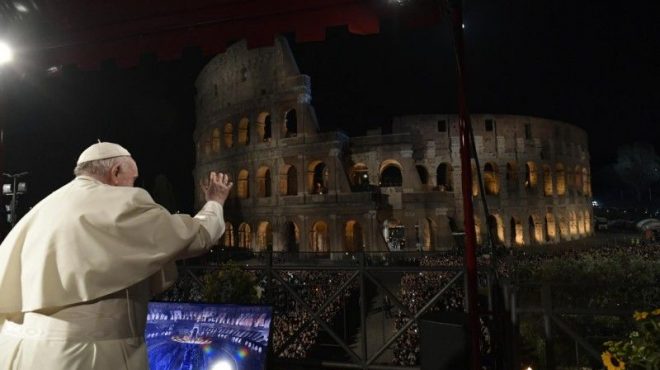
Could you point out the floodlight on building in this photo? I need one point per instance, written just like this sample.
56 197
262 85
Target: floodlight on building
6 54
6 189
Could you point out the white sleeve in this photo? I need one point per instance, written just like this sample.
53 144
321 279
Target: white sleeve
211 218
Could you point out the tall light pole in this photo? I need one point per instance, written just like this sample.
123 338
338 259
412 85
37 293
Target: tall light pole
13 190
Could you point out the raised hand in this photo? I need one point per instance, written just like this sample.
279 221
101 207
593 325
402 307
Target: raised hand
218 187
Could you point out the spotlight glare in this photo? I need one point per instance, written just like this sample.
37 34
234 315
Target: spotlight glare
222 365
6 54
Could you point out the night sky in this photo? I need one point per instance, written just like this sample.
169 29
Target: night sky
593 65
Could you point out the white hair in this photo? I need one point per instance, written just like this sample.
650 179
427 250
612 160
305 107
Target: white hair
99 167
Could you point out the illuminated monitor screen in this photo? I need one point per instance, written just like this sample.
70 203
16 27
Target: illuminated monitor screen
194 336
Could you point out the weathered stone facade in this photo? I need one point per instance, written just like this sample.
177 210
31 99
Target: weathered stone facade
300 189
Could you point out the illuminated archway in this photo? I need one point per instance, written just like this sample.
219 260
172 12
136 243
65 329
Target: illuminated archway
443 177
264 237
263 182
291 124
228 237
244 235
547 181
491 181
215 140
319 237
317 177
229 135
561 179
353 236
531 176
359 176
243 184
288 180
391 173
264 127
244 131
291 236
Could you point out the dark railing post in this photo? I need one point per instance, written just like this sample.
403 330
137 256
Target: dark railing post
546 302
363 310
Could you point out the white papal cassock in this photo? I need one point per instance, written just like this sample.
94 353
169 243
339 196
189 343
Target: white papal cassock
77 271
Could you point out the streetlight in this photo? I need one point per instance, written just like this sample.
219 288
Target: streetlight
13 190
6 54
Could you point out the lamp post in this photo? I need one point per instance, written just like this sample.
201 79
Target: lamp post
14 190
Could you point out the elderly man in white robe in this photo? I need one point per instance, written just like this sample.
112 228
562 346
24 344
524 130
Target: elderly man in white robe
77 271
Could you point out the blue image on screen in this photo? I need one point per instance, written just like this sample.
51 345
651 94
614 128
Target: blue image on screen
193 336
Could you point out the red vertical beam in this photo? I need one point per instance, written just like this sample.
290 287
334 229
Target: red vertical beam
466 175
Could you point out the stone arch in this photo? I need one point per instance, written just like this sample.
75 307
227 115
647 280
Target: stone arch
516 236
580 223
320 237
228 237
391 173
360 176
244 235
587 222
491 180
547 181
244 131
229 135
586 183
428 234
512 177
423 174
564 230
475 180
535 230
550 227
243 184
561 179
572 223
443 177
290 236
264 182
291 123
264 127
215 140
288 180
317 177
531 175
264 237
496 228
394 233
353 236
478 230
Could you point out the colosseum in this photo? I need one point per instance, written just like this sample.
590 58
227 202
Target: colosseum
301 189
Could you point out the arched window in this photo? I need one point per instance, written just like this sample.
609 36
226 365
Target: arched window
475 180
291 124
512 177
291 237
264 127
244 131
229 135
264 237
360 177
491 181
423 174
572 223
530 175
317 178
390 175
206 144
215 140
547 181
443 177
427 234
561 179
320 242
244 235
288 180
263 182
496 228
535 231
228 237
550 227
243 184
516 232
353 236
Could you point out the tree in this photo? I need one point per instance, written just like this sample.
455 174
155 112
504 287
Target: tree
638 166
